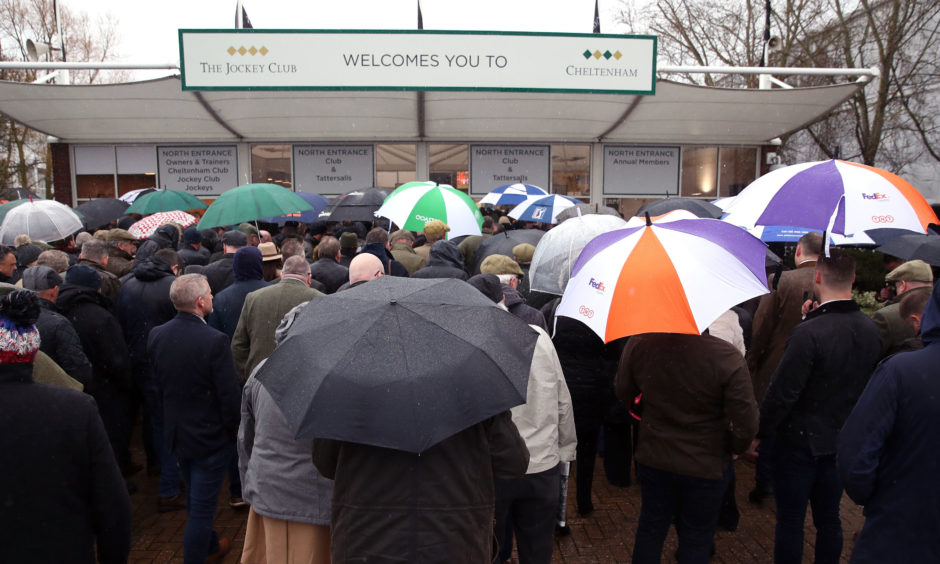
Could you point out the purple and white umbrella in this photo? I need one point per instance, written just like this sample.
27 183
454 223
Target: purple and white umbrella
835 196
512 194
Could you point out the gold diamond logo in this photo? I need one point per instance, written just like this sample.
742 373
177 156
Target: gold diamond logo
598 54
231 51
263 50
617 55
253 50
242 50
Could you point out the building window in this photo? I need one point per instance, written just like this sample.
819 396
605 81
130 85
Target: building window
699 172
450 164
136 168
271 164
94 172
571 171
395 164
738 168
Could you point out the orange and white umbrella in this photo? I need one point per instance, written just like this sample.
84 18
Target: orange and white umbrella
663 277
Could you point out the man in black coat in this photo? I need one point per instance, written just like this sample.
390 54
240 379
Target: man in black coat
191 249
86 308
219 272
327 268
144 303
827 362
64 495
59 339
444 261
509 274
201 406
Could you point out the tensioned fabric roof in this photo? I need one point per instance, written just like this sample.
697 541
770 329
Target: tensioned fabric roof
159 111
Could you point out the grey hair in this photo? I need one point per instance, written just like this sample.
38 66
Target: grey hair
186 289
95 250
296 266
505 278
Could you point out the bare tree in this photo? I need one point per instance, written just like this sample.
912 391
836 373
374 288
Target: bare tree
889 123
22 150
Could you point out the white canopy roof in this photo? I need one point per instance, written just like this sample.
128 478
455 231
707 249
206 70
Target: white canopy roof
159 111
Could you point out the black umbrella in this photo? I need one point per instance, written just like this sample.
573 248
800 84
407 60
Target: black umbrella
914 246
700 208
11 194
586 209
502 243
356 205
399 363
101 211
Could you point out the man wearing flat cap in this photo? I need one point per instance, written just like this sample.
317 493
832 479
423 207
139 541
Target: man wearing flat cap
914 275
509 273
434 230
121 249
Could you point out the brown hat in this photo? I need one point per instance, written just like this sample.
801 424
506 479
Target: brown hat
500 264
101 234
911 271
435 229
523 253
120 235
348 240
269 251
505 220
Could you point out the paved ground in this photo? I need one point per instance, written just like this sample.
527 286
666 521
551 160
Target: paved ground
604 536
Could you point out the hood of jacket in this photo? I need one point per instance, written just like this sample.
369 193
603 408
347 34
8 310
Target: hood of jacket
930 321
247 264
168 234
445 253
71 295
151 269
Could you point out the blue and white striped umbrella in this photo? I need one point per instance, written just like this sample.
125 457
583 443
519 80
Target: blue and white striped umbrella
512 194
543 209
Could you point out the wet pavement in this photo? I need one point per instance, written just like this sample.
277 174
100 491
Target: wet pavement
606 535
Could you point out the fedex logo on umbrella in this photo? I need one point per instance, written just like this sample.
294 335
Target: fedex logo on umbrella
597 285
875 196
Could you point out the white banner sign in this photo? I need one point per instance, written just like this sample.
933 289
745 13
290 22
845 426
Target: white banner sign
417 60
201 170
641 171
492 166
333 169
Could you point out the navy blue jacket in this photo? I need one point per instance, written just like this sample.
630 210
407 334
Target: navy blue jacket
193 365
889 453
249 276
827 362
144 303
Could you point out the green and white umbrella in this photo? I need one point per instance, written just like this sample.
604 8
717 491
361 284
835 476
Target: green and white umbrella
414 204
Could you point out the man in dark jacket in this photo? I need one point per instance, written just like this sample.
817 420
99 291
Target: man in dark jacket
165 237
889 452
201 405
509 274
249 276
777 315
327 269
220 273
698 409
825 366
377 244
64 496
444 261
191 249
143 304
59 339
382 503
83 305
95 255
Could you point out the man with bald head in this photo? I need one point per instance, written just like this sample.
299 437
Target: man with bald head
363 268
254 335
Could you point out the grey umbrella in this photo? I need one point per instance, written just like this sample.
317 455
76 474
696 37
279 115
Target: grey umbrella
700 208
399 363
502 243
355 205
914 246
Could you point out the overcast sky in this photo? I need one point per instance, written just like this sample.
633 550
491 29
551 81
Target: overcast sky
148 30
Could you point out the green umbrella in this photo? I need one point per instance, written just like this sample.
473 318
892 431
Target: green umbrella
251 202
164 201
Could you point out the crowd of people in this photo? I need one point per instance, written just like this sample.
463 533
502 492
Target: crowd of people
105 332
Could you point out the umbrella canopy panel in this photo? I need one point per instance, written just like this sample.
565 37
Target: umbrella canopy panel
250 202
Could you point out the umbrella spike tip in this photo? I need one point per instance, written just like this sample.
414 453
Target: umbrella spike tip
648 221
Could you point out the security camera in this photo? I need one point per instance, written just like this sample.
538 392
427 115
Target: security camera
774 43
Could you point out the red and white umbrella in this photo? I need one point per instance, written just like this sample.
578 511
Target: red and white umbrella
146 226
